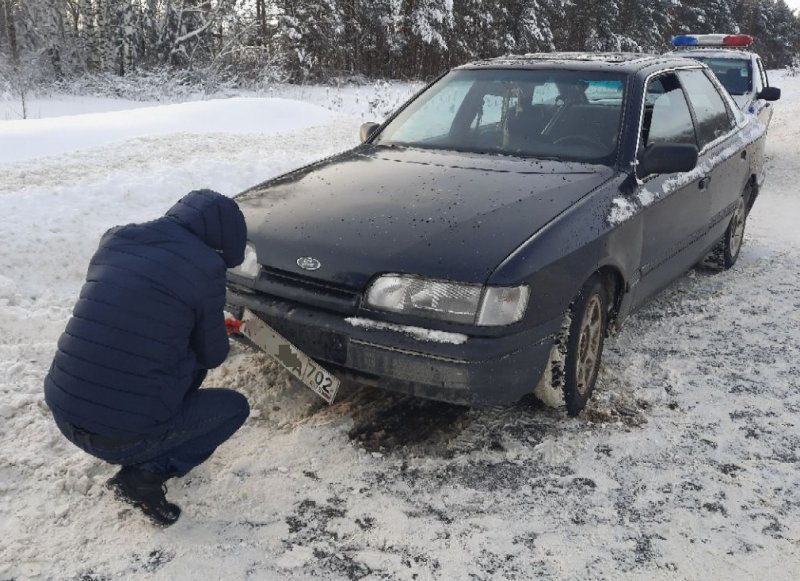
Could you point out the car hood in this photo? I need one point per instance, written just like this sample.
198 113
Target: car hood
444 215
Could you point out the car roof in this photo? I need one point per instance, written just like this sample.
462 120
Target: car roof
717 53
623 62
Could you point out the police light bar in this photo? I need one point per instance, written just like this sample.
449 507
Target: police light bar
685 40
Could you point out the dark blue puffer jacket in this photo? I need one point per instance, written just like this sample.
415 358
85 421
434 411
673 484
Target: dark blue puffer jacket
149 319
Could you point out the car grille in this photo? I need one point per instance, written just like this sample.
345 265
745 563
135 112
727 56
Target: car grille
301 289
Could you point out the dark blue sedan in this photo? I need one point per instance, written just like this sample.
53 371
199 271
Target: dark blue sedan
478 245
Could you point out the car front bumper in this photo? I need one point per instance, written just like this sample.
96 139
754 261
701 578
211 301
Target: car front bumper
479 371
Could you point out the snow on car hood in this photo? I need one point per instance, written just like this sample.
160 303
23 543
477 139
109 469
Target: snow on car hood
445 215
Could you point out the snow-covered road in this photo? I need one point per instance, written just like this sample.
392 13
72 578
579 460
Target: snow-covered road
685 465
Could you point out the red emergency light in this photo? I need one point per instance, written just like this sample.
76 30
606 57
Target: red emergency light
737 40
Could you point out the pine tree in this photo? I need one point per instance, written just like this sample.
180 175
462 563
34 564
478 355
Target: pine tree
309 33
318 39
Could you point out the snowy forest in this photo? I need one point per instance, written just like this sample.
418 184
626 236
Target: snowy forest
316 40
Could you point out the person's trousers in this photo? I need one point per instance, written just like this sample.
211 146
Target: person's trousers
207 419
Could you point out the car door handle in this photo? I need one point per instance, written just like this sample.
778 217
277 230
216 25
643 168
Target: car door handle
703 183
744 154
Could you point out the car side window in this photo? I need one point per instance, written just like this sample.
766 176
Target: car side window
666 118
762 74
758 80
710 112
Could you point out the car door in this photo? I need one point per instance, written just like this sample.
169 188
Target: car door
721 153
675 207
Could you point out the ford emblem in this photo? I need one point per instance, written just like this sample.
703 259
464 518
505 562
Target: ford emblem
308 263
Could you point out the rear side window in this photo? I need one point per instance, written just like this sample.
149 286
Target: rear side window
762 74
666 117
710 112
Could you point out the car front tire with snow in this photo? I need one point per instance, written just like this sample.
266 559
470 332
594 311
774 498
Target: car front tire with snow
571 371
726 252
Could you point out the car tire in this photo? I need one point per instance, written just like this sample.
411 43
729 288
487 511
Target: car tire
571 371
726 252
550 390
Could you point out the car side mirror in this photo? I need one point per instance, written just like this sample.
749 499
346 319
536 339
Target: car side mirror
667 158
769 94
368 130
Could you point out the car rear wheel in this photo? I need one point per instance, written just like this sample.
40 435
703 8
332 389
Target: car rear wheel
571 372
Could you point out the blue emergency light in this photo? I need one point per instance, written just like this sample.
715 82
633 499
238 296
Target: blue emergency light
684 40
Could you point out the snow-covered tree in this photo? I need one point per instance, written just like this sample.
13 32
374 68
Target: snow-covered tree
309 34
318 39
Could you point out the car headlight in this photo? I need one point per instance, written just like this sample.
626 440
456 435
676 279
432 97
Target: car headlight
249 267
448 301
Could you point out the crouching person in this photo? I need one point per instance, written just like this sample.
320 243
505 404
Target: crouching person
148 324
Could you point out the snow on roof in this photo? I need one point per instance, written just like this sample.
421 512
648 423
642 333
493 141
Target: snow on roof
560 58
615 57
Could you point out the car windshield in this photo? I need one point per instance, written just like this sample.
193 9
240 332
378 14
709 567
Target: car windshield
550 114
734 74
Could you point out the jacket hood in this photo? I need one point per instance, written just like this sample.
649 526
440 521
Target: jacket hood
216 220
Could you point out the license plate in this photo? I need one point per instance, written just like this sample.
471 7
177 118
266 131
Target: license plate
315 377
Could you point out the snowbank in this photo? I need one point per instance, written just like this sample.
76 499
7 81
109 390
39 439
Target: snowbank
32 138
66 105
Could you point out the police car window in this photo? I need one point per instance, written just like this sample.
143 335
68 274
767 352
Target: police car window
735 74
667 118
710 112
758 81
763 74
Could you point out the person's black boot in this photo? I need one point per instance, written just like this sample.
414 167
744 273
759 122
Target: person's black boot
145 491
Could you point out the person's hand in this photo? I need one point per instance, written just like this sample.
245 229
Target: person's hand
233 326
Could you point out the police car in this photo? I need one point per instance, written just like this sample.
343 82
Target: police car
740 71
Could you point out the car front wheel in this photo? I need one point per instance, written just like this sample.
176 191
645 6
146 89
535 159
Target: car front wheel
726 252
571 372
734 235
